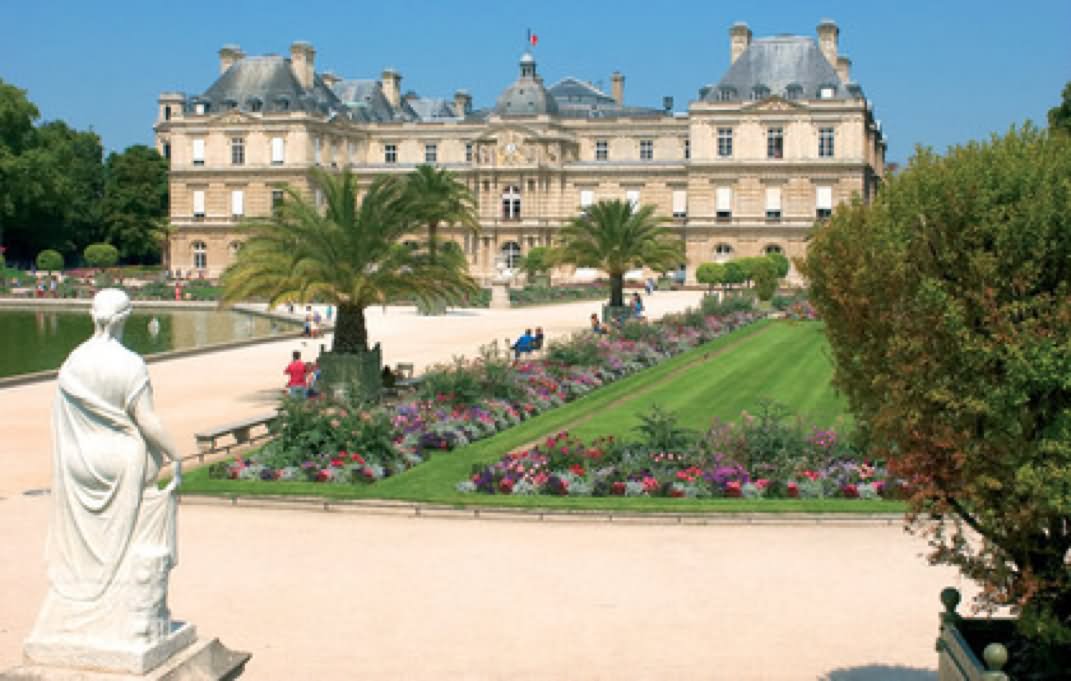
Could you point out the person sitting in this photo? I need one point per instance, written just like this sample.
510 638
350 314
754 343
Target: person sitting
523 344
537 341
296 371
312 379
596 325
637 306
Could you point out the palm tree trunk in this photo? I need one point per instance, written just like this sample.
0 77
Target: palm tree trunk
433 240
351 333
617 285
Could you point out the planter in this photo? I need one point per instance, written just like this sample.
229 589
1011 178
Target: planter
353 376
960 640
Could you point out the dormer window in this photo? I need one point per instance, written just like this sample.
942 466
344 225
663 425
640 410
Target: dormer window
794 91
827 91
230 104
760 92
200 108
283 103
726 94
255 104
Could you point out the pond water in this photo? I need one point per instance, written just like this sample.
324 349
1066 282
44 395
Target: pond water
40 339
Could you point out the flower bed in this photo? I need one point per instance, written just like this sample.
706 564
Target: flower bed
330 442
762 456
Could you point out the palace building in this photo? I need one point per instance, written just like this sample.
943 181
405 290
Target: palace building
759 156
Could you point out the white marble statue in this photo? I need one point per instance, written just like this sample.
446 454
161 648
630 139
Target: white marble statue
111 539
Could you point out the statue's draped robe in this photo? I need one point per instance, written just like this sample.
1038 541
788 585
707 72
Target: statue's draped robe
112 533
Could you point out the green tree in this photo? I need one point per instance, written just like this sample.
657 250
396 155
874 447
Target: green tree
536 262
781 264
1060 116
711 274
351 255
101 255
734 273
436 197
50 260
612 237
134 208
764 274
947 304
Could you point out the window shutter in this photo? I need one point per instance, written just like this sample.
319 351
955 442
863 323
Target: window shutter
680 201
725 198
237 202
824 198
199 150
587 197
773 198
198 202
278 149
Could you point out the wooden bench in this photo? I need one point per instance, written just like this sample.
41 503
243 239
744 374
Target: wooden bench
241 431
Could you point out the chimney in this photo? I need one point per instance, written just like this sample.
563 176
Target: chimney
392 87
828 34
462 103
739 40
844 68
303 63
228 55
617 88
329 78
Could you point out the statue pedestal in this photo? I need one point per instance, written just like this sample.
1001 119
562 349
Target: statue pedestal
204 660
80 653
500 295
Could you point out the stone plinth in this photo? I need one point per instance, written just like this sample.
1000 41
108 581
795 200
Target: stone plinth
104 656
204 660
500 295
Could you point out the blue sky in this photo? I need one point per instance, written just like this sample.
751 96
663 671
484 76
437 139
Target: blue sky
938 72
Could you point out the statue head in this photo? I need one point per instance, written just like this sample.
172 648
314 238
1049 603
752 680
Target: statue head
110 310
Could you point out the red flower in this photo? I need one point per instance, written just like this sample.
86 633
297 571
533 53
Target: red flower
337 463
618 489
793 490
676 493
577 470
732 488
850 491
322 475
506 485
357 457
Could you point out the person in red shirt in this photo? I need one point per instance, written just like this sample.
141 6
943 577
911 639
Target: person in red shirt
296 371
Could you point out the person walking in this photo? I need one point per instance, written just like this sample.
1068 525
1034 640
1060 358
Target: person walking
295 385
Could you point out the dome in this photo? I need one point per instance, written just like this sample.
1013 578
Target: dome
526 96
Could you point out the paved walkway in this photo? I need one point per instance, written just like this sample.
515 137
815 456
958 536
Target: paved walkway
325 596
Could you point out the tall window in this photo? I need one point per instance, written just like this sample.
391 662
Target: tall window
646 150
468 153
511 203
276 199
200 255
167 113
725 142
237 151
724 206
687 149
317 146
237 203
825 142
278 151
775 143
511 254
823 202
390 153
680 203
773 204
431 153
198 204
602 150
198 152
167 150
587 197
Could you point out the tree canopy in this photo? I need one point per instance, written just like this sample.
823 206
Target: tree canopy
350 254
134 208
435 196
947 304
613 237
1060 116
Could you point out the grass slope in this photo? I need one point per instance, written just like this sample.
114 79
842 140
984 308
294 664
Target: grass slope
434 481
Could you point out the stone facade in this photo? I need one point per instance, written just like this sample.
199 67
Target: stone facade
756 159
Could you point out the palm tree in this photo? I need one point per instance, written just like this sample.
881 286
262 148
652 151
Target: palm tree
613 237
348 254
436 197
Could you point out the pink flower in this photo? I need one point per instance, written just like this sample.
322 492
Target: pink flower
793 490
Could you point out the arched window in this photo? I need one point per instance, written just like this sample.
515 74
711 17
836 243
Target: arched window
234 247
511 254
200 255
722 252
773 248
511 203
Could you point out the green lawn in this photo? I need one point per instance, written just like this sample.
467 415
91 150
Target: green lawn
788 363
599 411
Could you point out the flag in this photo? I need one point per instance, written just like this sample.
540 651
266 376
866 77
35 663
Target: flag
532 38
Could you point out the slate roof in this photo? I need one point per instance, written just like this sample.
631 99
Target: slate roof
364 99
428 108
266 84
776 64
580 99
526 96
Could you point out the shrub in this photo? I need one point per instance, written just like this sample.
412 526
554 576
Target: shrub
947 304
101 255
50 260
